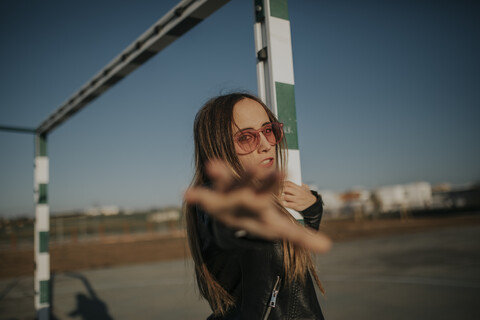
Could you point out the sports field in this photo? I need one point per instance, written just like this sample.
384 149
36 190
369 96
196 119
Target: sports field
403 270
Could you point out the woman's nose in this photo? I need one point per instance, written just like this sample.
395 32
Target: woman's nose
264 145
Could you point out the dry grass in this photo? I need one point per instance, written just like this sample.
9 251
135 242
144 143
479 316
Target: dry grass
124 250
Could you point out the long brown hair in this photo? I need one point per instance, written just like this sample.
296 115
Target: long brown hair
213 136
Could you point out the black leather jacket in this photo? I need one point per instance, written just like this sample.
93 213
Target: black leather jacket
252 271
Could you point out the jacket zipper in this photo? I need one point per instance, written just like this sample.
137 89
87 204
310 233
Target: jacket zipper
273 298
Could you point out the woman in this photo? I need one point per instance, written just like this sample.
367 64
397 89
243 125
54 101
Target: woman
251 257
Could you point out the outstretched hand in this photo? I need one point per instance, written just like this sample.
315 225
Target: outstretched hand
248 204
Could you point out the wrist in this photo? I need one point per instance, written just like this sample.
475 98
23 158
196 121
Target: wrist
314 196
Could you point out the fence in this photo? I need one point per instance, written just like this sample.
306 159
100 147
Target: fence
76 228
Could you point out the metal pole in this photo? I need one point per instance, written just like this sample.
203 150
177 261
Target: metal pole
276 85
183 17
42 227
18 129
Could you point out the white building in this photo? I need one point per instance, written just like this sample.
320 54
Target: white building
102 210
332 203
412 196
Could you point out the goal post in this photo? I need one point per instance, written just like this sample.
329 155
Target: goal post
178 21
41 229
276 85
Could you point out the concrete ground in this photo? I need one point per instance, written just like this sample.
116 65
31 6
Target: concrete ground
428 275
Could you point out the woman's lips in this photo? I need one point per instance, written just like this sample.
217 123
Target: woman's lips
267 163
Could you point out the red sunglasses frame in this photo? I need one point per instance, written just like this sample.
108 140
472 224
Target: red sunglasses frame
256 133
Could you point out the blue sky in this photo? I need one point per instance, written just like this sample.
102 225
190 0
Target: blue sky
386 92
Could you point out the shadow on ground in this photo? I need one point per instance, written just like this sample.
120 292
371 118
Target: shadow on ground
88 306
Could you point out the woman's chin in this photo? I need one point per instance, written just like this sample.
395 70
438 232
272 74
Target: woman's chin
265 172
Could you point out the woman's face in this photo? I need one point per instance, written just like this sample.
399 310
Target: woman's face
249 114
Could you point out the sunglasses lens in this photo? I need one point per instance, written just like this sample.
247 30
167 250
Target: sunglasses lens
247 141
273 132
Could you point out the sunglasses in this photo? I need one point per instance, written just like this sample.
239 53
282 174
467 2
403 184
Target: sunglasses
248 140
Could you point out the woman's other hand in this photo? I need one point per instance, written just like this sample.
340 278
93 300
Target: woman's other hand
297 197
249 205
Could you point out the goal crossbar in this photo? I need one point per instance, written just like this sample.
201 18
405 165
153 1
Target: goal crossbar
183 17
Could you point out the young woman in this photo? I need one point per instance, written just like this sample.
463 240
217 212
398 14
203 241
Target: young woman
252 259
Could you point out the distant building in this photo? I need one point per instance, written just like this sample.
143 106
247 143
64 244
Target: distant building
412 196
163 216
356 203
463 197
332 203
102 210
400 198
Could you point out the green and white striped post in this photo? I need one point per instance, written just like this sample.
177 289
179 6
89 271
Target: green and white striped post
276 85
42 227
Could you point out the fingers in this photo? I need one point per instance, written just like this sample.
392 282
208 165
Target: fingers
232 203
289 198
291 188
220 174
298 197
224 181
292 205
302 236
314 241
242 209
